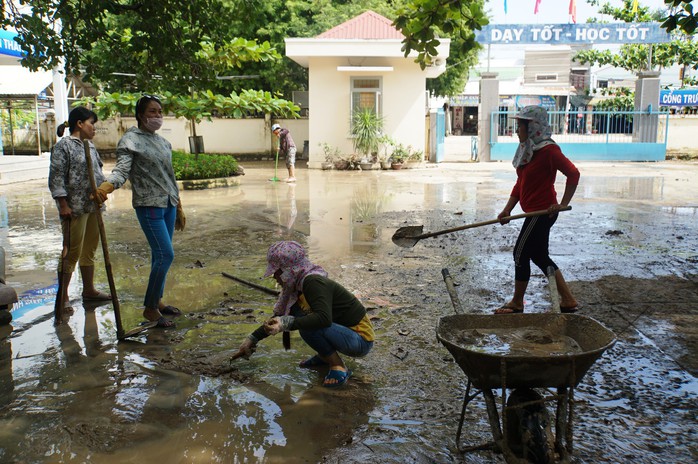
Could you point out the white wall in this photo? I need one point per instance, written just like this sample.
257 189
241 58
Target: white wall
403 95
243 136
682 133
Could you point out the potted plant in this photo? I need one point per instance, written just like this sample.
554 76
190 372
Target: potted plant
341 164
387 143
398 156
331 154
414 158
366 128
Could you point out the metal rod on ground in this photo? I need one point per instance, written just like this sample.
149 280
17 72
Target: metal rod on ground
286 337
267 290
554 295
103 239
457 306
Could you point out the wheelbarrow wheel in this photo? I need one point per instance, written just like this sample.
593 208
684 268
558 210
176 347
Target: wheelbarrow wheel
529 432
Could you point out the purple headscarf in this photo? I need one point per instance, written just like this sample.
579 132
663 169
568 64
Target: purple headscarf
295 267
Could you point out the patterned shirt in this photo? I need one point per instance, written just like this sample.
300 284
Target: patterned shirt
67 176
285 141
146 160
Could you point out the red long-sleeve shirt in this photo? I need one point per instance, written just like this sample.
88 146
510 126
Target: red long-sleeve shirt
535 185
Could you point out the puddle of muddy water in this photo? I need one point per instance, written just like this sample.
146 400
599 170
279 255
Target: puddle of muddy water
73 394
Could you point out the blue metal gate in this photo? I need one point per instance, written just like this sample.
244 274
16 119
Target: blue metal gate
440 134
591 135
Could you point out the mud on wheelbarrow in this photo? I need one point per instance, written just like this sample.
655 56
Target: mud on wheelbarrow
491 370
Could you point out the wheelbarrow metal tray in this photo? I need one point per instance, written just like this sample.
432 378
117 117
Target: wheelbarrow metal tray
492 371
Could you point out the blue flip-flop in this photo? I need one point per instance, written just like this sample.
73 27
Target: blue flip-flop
340 376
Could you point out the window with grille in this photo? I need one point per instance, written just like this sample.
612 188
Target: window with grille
366 93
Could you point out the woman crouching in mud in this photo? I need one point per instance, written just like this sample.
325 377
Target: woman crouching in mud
329 318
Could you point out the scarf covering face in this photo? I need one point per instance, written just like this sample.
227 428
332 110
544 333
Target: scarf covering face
295 267
539 134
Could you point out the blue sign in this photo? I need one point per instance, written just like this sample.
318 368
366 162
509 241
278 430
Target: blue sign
685 97
545 101
590 33
8 44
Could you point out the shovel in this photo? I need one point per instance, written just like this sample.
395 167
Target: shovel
105 249
407 237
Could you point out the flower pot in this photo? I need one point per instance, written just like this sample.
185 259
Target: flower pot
327 166
385 164
341 164
366 166
396 166
196 144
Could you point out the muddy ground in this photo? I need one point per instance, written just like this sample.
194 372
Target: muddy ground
628 249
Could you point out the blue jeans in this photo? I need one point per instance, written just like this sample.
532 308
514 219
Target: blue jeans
335 338
158 227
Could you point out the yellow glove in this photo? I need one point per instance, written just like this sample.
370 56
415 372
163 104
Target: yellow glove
181 220
104 189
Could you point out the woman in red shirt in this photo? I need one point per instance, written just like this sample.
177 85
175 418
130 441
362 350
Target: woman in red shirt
537 161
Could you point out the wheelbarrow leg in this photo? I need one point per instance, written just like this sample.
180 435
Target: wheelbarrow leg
467 398
493 417
563 423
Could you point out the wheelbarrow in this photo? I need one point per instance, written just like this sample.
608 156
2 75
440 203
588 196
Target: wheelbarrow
490 361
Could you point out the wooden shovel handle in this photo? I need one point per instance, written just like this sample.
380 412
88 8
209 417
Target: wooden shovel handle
542 212
103 238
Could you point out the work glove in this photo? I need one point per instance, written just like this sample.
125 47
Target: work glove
278 324
247 347
104 189
181 220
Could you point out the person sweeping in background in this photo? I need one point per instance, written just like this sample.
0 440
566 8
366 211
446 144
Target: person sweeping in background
537 161
69 184
329 318
287 147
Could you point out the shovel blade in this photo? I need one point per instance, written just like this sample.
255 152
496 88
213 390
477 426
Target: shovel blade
407 237
140 329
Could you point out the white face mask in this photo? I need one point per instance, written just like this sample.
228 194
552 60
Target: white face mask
153 124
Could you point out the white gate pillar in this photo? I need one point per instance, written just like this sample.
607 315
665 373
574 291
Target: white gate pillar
646 99
489 102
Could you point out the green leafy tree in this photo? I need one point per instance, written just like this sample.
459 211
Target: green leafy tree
196 45
178 45
680 16
276 20
640 57
422 21
617 98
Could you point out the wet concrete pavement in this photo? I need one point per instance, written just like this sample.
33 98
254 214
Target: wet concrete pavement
73 394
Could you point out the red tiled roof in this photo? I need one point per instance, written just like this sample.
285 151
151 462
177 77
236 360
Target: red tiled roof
368 25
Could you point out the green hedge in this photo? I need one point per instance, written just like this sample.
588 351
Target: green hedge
190 167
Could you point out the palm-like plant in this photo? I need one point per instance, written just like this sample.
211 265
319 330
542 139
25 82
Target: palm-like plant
366 128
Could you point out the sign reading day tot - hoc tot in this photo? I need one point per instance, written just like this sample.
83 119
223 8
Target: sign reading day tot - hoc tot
590 33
